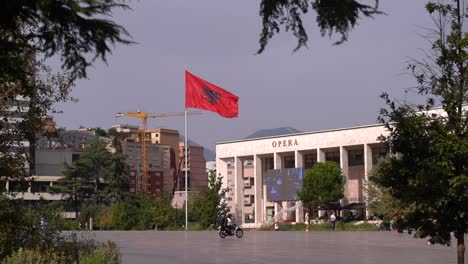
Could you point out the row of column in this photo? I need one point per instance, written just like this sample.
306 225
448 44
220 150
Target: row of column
260 188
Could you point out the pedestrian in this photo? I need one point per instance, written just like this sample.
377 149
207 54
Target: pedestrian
333 220
306 221
276 226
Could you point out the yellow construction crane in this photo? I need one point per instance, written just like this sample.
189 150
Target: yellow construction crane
144 119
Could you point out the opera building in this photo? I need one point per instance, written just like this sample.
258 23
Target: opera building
264 174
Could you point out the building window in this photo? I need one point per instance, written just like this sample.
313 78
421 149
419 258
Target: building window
75 157
289 162
248 199
356 157
268 164
309 161
246 183
249 218
333 156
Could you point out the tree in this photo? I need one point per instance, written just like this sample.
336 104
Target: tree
164 214
428 166
333 16
97 177
76 31
379 198
46 89
135 213
322 185
209 204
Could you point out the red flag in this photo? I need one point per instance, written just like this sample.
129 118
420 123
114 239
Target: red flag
204 95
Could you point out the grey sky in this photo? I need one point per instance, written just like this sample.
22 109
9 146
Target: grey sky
321 87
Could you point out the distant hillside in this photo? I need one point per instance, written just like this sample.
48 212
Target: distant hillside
207 153
273 132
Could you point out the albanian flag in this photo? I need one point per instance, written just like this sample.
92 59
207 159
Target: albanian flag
204 95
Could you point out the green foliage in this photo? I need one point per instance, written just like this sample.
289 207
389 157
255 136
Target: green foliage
135 213
21 227
380 199
428 168
322 227
209 204
103 218
196 227
322 185
78 31
28 256
333 16
107 253
70 224
164 213
98 177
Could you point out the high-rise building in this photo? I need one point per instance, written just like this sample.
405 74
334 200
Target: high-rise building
161 158
13 112
196 166
158 166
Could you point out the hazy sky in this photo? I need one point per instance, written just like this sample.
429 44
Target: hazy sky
322 87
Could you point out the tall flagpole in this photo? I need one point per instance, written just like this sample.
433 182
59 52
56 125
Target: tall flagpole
186 170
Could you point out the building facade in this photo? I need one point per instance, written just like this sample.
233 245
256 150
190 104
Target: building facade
244 163
158 161
196 166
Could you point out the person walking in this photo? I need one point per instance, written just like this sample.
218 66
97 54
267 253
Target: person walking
333 220
306 221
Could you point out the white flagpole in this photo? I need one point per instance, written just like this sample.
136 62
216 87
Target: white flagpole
186 170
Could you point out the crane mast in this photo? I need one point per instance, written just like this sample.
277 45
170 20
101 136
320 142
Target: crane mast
143 138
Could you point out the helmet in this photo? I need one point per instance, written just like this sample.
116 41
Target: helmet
229 215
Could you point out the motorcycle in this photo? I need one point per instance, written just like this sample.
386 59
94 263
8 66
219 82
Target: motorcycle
235 230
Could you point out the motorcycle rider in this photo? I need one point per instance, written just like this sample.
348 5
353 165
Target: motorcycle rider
229 222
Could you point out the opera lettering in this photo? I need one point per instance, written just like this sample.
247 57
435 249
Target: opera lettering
284 143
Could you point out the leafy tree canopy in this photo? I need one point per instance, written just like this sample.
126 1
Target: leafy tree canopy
322 184
209 204
79 31
428 168
98 177
333 16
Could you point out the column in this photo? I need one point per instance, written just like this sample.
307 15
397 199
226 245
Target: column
320 155
299 159
367 167
278 164
344 166
239 190
277 161
277 209
258 183
299 213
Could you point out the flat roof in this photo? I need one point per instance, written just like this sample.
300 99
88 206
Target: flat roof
298 134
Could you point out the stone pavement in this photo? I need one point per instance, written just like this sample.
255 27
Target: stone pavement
193 247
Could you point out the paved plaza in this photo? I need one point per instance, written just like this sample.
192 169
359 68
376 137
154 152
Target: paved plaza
276 247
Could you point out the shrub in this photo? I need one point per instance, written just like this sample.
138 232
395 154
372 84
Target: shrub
69 224
28 256
341 226
196 227
107 253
